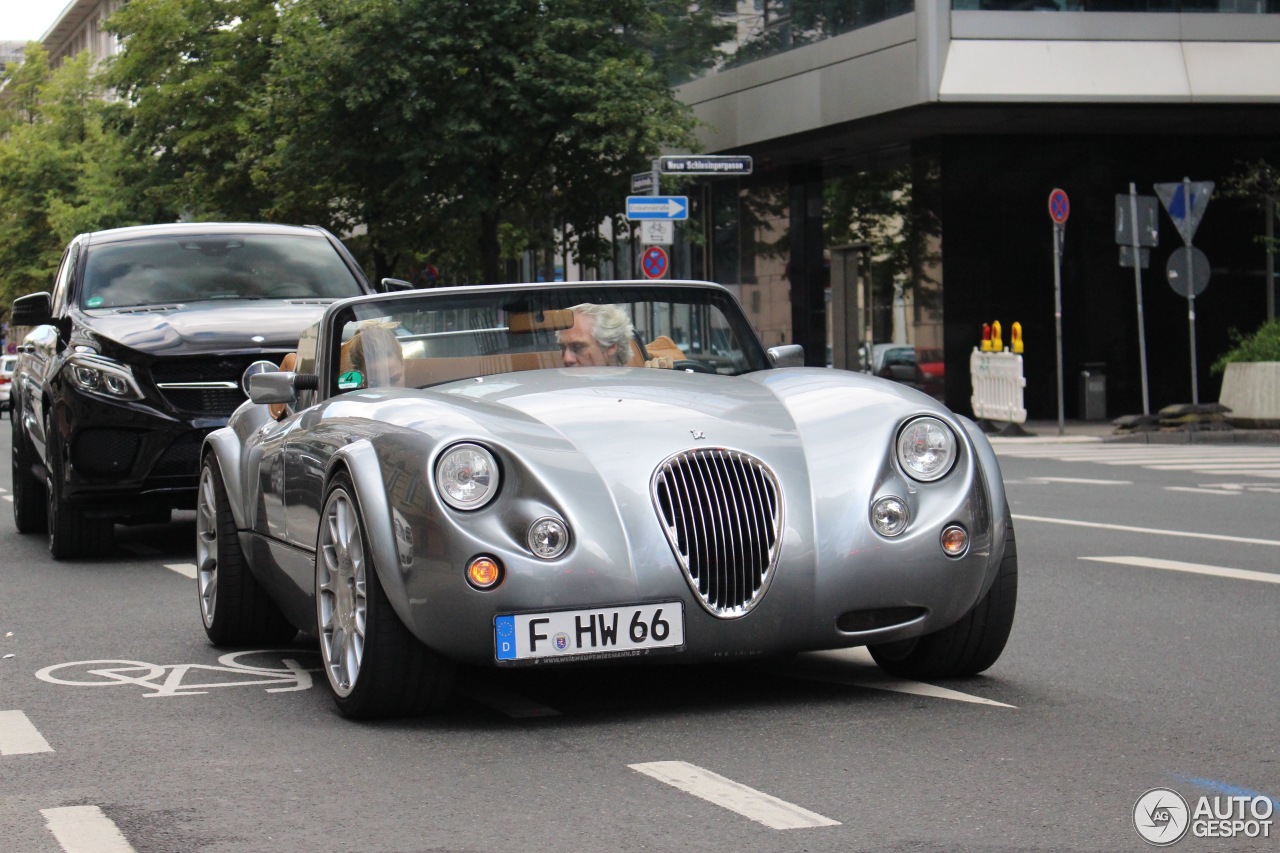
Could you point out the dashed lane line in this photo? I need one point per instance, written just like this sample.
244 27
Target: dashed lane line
1216 537
18 736
833 667
1192 568
187 570
716 789
85 829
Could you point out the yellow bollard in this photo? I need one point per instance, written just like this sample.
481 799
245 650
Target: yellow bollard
996 344
1015 336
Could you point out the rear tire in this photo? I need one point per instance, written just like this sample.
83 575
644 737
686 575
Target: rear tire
374 666
969 646
71 533
235 609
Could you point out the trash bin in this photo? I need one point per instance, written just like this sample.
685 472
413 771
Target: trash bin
1093 391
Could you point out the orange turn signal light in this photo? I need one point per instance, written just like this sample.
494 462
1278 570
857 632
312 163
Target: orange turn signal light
955 540
484 572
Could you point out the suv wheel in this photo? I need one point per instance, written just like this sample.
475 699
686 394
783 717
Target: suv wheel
71 534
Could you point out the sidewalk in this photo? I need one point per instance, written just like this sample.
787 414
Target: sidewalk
1045 432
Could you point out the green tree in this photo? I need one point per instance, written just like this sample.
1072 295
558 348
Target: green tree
423 122
189 77
63 170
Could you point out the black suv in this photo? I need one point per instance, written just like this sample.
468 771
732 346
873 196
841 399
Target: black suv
140 351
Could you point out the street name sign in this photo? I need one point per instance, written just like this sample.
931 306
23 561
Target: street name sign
642 182
667 207
704 164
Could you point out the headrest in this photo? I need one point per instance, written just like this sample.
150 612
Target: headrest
530 321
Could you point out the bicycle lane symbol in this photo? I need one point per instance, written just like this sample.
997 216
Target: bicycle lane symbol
172 679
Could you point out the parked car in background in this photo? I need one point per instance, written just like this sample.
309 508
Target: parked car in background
483 504
932 371
138 352
7 363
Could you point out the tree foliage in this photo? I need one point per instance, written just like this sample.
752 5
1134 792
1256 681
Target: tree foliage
416 128
63 170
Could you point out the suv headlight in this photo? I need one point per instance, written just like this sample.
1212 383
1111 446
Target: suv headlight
926 449
102 376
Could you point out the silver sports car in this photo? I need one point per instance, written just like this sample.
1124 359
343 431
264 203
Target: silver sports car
558 474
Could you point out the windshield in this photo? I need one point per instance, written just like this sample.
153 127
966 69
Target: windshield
177 269
437 337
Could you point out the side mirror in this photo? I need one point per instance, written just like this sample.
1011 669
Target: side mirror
788 355
392 285
34 309
274 387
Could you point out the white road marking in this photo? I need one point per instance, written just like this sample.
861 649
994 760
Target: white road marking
1200 491
1081 482
1193 568
1216 537
18 736
187 570
85 829
818 666
505 702
758 806
8 498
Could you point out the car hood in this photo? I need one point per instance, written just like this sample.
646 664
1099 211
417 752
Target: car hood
611 414
202 327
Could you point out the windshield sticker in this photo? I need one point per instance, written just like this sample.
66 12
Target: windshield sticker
93 302
350 379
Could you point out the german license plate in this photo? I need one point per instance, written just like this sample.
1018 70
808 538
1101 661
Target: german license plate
597 632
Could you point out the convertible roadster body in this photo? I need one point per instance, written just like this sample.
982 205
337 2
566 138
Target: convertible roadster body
499 508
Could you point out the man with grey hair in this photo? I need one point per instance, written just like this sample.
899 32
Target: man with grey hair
600 337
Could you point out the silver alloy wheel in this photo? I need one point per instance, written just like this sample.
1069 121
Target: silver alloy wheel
207 546
342 602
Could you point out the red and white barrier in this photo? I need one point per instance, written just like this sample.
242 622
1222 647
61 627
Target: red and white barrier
998 385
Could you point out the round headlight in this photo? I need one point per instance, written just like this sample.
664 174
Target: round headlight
926 449
548 537
467 476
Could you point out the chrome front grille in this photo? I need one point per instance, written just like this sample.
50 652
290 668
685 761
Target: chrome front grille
722 512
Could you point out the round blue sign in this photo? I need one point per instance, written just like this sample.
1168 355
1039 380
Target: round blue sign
1059 206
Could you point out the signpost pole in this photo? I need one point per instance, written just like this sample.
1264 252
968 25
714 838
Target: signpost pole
1137 284
1271 257
1058 228
1191 300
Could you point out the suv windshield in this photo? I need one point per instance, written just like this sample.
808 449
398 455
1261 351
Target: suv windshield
179 269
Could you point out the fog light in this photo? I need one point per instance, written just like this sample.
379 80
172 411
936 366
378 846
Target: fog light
484 572
889 516
548 538
955 540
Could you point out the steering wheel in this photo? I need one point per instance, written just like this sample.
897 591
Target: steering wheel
690 364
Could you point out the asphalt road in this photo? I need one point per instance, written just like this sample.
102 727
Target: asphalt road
1136 662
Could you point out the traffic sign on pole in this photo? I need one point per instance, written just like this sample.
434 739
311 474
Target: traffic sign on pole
669 207
1059 206
642 182
654 262
1148 213
1185 202
656 232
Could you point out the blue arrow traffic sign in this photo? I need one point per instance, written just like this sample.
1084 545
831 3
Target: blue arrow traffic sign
657 207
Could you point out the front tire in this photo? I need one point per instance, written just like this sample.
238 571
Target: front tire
969 646
71 533
235 609
374 666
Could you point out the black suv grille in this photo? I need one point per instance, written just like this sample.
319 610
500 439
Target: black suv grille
218 376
